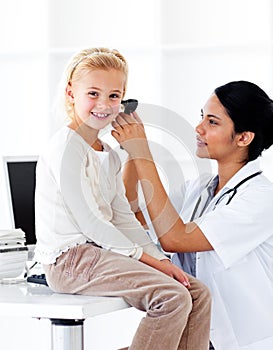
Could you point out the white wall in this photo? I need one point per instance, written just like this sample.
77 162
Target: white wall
178 52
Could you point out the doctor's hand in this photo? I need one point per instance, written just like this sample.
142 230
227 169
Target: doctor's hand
130 134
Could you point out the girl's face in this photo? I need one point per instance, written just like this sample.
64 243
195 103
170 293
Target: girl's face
96 97
216 138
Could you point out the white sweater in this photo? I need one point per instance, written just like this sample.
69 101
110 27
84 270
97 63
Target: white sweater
80 198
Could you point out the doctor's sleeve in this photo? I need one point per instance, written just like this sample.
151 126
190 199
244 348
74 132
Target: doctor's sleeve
236 229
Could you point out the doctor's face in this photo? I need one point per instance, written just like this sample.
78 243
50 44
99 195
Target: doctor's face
216 138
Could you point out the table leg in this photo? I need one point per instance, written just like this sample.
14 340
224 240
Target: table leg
67 334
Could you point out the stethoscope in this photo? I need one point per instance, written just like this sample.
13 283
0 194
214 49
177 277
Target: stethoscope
234 189
233 192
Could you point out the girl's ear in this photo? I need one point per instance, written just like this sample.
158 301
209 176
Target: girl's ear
245 138
69 93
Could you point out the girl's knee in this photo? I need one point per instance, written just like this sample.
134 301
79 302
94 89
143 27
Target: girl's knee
183 299
175 297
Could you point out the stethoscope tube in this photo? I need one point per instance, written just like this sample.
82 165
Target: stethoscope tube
234 189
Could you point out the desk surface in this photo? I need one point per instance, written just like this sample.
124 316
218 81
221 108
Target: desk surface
34 300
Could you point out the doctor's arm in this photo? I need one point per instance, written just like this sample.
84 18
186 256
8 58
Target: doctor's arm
124 219
130 180
174 235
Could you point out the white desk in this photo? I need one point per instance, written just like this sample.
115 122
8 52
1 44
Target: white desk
66 312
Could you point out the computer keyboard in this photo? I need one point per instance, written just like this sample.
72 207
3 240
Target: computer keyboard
40 279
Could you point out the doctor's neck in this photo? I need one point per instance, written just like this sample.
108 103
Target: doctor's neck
226 171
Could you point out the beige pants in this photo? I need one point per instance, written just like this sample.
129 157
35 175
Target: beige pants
176 317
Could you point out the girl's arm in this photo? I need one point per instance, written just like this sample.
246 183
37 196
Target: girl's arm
173 233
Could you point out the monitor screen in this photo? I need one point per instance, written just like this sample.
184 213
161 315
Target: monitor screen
20 176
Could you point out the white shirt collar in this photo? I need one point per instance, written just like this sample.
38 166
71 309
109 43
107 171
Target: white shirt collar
247 170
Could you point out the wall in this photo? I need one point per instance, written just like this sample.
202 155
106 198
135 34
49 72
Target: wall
178 53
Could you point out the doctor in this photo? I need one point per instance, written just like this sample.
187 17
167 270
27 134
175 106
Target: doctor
226 219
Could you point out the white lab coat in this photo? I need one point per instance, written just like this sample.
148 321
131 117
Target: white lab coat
239 271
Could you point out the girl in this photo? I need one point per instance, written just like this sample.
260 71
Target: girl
230 223
88 239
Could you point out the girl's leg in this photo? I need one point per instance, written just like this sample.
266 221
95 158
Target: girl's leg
90 270
196 333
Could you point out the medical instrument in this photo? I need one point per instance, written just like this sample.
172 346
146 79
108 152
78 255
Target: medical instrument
129 105
234 189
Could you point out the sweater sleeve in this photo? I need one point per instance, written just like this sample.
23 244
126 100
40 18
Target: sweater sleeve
82 208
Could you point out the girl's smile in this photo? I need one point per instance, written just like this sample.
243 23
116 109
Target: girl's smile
100 115
96 97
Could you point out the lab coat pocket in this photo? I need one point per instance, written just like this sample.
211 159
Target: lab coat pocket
247 294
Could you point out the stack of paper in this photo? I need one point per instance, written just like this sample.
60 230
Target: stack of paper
13 253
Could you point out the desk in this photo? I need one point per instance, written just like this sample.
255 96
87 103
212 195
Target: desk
66 312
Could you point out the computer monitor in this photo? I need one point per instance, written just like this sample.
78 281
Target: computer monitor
19 173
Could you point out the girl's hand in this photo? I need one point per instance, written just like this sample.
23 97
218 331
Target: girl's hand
175 272
166 267
130 134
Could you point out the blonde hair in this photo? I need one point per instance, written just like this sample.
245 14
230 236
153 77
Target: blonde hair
89 59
